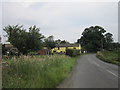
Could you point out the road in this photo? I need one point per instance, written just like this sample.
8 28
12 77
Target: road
90 72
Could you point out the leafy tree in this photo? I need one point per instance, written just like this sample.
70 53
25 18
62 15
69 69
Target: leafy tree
24 41
61 41
49 42
17 37
115 46
34 41
93 38
108 41
64 42
57 41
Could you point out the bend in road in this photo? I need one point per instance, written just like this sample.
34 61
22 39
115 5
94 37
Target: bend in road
90 72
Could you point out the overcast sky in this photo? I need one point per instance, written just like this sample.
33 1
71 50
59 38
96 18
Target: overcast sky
63 20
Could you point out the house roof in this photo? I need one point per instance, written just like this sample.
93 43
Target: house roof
8 45
67 45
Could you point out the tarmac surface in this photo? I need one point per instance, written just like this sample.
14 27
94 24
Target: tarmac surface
90 72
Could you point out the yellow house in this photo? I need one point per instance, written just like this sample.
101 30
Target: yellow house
61 48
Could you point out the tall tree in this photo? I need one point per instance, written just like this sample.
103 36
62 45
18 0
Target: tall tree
17 37
108 41
93 38
34 41
24 41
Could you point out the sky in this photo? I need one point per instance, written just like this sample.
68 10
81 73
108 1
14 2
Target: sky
64 20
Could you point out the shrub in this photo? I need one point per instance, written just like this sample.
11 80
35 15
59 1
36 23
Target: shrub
109 56
72 52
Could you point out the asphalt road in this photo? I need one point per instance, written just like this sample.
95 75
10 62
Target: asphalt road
90 72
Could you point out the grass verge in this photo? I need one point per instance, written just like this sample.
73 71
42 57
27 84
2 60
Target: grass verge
36 71
109 56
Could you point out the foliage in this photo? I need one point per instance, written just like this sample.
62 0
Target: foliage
109 56
22 40
93 39
114 46
108 40
57 41
64 42
0 39
36 71
61 42
72 52
49 42
34 41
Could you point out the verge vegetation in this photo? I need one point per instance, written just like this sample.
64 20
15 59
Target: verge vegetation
36 71
110 56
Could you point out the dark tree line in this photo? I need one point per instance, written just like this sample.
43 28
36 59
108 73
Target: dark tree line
29 41
95 38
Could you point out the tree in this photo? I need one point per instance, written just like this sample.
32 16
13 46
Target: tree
57 41
34 41
0 39
61 42
64 42
17 37
115 46
93 38
49 42
24 41
108 41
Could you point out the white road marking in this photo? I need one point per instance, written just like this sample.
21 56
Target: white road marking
113 73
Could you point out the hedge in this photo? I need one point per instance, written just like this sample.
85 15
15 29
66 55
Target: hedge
72 52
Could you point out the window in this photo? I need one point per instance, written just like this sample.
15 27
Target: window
58 48
74 48
54 51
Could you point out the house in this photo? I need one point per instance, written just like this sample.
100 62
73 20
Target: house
43 52
61 48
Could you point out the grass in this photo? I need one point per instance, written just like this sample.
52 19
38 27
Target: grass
36 71
109 56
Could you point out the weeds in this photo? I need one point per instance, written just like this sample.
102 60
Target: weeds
109 56
36 71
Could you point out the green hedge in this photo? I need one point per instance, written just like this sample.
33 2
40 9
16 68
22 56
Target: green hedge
72 52
109 56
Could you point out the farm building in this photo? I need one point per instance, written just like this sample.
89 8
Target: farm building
43 51
61 48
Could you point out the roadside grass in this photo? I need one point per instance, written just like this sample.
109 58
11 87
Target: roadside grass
110 56
36 71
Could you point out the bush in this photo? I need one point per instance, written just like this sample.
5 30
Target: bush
72 52
109 56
